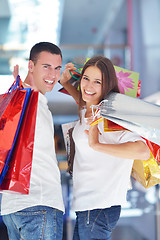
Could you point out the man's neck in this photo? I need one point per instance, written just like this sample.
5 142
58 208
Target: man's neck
29 82
27 79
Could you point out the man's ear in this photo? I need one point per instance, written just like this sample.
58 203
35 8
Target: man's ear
30 66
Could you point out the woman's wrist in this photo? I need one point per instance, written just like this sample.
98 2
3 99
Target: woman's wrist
96 146
63 83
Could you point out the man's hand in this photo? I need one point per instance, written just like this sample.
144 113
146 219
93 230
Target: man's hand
15 71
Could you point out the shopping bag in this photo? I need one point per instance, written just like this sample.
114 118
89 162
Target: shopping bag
67 129
155 149
133 114
147 173
17 178
12 108
110 126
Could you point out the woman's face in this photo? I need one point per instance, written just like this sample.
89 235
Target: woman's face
91 85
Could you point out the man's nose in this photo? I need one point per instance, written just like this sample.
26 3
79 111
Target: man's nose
52 73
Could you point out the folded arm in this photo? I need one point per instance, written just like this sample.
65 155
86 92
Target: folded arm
128 150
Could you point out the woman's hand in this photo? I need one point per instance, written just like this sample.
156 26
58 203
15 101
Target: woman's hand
90 120
93 136
64 80
66 74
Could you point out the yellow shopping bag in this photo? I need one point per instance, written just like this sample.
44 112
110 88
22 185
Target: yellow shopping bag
147 172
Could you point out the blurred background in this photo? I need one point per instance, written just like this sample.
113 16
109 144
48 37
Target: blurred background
127 32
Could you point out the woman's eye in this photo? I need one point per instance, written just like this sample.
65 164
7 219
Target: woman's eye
85 78
98 82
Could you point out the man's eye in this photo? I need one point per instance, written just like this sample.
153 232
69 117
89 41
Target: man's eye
58 68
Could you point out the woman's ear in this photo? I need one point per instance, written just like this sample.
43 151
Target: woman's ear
30 66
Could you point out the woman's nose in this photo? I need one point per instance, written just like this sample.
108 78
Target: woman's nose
89 84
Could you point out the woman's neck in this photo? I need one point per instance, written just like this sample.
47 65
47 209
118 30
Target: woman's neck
88 113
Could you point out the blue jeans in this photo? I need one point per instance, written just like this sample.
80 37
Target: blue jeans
96 224
35 223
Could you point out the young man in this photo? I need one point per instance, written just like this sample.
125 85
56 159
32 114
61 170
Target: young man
39 215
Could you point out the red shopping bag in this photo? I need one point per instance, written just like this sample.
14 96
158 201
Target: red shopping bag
12 107
17 178
155 150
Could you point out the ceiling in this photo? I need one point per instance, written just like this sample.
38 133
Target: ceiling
86 23
82 27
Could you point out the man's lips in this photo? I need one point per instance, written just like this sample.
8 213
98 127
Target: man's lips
49 81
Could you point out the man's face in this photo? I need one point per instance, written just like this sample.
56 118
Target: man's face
46 72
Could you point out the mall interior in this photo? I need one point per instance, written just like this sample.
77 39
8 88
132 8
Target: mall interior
125 31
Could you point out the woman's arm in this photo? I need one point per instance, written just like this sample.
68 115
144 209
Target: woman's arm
130 150
64 81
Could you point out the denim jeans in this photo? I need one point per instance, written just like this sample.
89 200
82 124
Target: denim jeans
35 223
96 224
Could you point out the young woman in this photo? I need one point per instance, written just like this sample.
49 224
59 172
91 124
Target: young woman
103 160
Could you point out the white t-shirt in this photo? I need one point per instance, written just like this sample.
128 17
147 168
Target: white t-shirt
45 183
99 180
